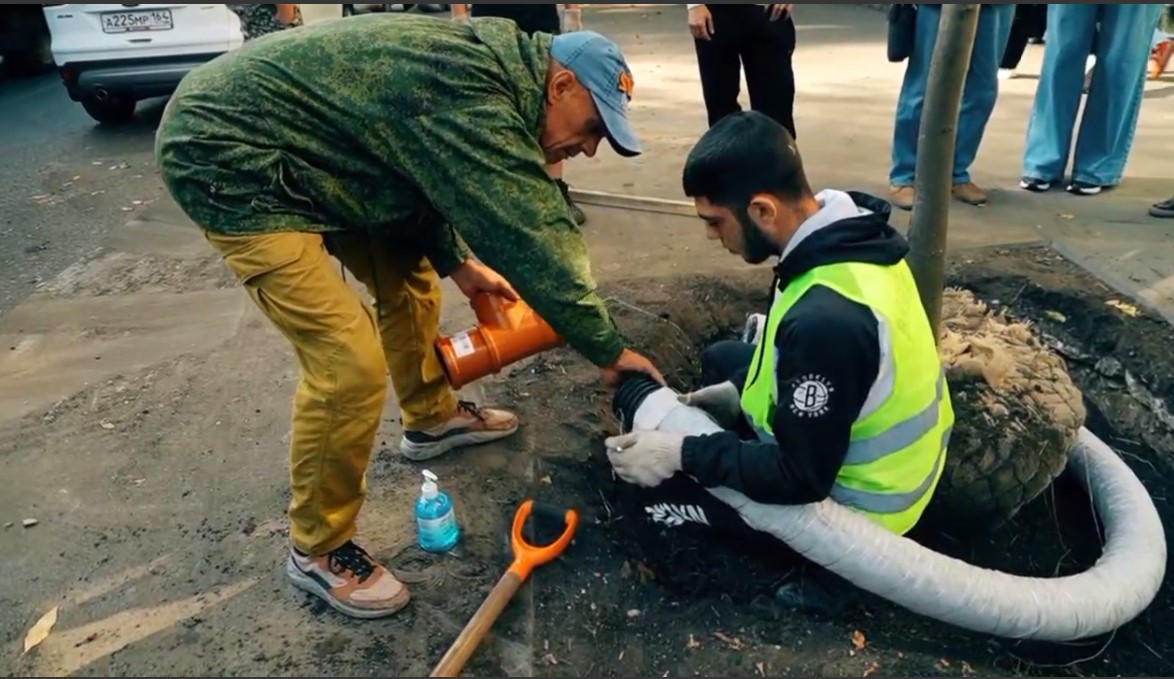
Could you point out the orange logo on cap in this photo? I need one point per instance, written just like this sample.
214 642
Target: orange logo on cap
627 85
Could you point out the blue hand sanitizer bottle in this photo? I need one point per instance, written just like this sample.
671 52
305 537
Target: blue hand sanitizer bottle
436 518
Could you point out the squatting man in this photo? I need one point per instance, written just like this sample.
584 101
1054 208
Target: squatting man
844 396
431 147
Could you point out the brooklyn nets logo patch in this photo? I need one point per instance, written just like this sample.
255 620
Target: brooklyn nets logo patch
812 396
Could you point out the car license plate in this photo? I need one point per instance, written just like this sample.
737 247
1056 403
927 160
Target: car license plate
133 22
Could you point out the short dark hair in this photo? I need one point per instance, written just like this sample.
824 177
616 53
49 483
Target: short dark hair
743 155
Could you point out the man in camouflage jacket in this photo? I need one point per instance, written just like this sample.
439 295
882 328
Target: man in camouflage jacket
400 145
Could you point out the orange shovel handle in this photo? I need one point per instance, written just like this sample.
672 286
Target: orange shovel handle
528 557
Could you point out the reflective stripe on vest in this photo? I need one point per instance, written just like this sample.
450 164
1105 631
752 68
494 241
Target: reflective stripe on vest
894 440
897 452
888 503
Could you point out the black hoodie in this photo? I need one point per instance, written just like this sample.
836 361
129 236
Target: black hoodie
827 345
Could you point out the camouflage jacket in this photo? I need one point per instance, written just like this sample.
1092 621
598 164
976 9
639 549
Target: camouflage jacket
261 19
413 129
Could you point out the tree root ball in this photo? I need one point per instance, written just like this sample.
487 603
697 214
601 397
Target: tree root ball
1017 414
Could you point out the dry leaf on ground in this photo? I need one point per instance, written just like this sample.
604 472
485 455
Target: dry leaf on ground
859 641
1124 307
40 631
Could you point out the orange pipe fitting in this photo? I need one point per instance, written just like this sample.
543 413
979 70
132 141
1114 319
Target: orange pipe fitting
506 332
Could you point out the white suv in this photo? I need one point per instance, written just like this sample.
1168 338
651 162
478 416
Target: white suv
113 56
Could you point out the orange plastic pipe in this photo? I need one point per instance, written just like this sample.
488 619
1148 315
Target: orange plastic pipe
506 332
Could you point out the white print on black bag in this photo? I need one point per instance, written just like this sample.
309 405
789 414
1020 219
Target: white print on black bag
675 516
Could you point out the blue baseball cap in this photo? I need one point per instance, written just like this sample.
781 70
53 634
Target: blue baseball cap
598 63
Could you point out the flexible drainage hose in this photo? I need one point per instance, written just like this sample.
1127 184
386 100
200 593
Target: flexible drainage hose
1122 584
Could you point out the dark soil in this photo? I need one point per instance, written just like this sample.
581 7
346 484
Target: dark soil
632 600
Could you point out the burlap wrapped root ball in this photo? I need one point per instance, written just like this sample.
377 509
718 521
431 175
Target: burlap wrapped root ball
1017 414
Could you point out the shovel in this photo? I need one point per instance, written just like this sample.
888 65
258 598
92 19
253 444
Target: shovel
527 557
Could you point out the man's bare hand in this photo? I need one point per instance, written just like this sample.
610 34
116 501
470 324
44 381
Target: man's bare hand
629 362
778 11
701 23
474 278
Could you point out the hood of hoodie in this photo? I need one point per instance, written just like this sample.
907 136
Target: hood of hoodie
850 227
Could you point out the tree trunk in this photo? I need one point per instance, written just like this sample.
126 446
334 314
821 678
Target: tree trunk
935 154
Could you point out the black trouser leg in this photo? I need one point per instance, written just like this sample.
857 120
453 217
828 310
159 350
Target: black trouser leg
1037 21
768 48
720 66
720 362
1020 34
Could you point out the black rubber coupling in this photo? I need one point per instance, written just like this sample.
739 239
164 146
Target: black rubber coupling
634 389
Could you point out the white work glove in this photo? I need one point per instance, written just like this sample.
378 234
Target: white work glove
646 458
722 402
572 20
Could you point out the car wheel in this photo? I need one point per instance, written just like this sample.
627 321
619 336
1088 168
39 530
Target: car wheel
114 110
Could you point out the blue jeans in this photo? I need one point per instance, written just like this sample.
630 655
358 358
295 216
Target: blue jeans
1122 45
978 98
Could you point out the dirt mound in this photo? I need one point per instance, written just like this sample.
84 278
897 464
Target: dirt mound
1017 413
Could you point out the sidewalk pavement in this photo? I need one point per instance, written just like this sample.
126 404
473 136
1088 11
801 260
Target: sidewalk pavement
846 102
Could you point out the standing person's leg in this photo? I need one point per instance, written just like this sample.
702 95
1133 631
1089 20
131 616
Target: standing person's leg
768 49
909 107
1038 20
337 410
1017 42
720 65
1114 101
407 297
979 96
1071 31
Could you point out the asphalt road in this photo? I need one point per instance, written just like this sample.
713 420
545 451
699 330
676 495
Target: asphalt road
64 181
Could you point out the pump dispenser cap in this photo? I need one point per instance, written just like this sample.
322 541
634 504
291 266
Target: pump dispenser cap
431 488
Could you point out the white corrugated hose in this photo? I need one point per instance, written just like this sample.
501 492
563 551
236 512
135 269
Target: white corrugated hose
1122 584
